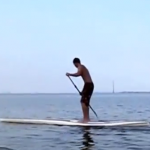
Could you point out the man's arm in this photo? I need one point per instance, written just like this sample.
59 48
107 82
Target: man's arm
79 72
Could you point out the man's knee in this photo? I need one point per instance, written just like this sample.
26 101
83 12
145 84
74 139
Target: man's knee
85 101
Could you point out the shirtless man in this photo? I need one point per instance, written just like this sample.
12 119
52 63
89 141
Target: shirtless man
87 89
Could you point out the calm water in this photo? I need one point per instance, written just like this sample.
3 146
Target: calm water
42 137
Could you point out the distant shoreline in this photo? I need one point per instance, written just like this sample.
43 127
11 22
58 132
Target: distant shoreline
124 92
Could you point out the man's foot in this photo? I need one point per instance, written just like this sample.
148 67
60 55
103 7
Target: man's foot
84 120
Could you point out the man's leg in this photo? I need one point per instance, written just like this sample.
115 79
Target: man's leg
88 91
85 101
85 110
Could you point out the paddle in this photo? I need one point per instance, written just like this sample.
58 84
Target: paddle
81 94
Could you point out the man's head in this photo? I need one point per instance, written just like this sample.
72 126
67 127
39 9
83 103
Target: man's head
76 62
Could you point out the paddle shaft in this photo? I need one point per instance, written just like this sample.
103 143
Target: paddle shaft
80 94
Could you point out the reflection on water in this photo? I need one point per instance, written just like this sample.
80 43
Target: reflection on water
87 141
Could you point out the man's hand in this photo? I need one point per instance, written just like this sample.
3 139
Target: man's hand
81 93
67 74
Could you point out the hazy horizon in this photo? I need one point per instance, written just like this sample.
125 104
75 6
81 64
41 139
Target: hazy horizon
121 92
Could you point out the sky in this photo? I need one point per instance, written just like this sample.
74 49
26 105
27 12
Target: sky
39 39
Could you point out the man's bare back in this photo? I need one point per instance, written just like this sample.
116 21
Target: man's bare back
85 74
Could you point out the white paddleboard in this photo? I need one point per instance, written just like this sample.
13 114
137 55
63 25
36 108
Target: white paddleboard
75 122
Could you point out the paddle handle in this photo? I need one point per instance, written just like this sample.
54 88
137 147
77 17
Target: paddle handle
74 85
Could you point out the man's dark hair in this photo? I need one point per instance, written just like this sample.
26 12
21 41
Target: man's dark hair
76 60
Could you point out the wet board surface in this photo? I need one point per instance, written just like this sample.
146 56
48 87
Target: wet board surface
74 122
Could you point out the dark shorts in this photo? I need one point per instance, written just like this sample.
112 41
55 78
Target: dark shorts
87 93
